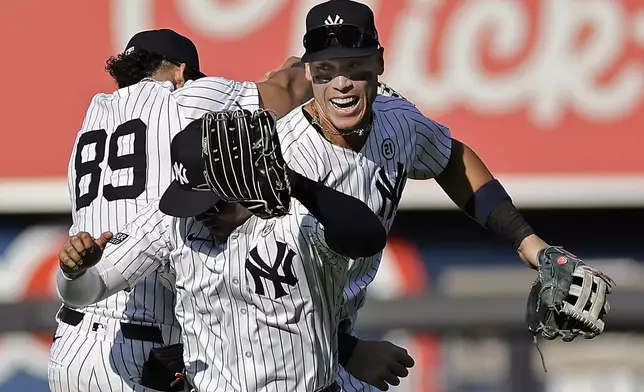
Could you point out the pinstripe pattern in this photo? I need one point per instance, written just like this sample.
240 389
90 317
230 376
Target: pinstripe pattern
238 336
402 144
134 169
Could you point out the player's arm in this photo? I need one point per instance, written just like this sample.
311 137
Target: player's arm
285 89
94 269
349 227
473 188
470 184
281 92
212 94
83 278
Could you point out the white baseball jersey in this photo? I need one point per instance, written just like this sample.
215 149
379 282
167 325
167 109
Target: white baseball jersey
259 311
402 144
121 161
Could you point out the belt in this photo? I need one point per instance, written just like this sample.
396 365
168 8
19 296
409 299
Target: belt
130 331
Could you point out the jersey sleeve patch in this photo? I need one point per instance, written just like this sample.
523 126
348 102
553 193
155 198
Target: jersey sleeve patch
118 238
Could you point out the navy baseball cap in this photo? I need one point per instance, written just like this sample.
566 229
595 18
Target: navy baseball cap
173 46
340 29
188 194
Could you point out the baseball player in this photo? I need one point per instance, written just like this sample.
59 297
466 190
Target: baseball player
257 299
121 161
367 145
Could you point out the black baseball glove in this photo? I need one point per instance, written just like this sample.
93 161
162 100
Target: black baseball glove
388 91
568 299
244 162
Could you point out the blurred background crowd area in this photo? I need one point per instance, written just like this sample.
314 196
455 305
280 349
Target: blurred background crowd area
549 92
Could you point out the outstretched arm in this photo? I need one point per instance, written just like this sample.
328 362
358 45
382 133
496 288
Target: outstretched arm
350 227
469 183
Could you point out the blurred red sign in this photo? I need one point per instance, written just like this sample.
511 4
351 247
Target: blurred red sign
537 87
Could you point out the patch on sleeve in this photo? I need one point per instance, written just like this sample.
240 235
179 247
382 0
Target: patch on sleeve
118 238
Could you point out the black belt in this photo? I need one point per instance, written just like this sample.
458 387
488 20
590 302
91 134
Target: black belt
130 331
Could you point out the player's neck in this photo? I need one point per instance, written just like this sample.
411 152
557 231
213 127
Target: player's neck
353 141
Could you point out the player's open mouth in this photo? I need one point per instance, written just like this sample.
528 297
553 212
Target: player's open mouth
344 104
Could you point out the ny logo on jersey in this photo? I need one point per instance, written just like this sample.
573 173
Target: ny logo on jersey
391 193
333 21
180 173
258 268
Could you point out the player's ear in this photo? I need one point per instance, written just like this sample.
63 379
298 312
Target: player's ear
178 75
380 56
307 71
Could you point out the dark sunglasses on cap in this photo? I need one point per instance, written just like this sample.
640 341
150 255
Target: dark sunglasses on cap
347 36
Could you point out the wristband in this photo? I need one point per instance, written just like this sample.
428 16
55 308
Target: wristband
507 222
481 204
492 207
299 64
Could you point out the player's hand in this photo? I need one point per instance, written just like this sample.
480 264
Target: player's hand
81 252
287 64
379 364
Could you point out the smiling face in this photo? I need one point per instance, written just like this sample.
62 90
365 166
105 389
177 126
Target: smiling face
344 89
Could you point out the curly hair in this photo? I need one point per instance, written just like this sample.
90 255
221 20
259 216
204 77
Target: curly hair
131 68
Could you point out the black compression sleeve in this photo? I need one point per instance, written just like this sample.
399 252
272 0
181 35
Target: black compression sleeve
350 227
492 207
507 222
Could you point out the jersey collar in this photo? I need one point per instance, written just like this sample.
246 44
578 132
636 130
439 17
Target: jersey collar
125 91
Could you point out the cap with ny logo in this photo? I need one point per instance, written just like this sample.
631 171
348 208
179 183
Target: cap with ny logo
355 21
188 194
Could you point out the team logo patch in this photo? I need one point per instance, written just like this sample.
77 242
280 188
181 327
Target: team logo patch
118 238
268 271
333 20
98 328
180 173
391 192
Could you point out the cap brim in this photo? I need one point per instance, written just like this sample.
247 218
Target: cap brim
182 203
339 53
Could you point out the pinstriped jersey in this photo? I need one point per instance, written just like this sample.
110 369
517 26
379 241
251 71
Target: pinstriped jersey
121 161
258 311
402 144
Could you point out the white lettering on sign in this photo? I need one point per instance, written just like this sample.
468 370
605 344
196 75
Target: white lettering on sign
552 73
554 76
127 18
229 19
208 17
